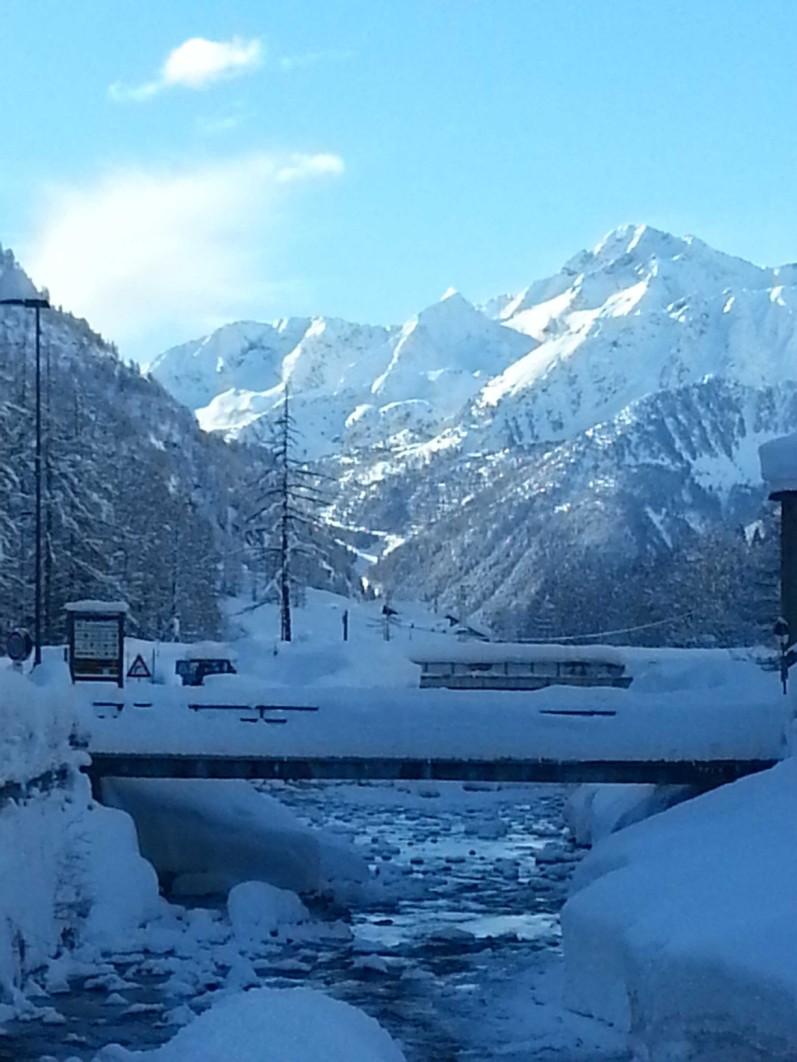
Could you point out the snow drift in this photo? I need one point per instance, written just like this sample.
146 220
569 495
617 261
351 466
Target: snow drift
273 1025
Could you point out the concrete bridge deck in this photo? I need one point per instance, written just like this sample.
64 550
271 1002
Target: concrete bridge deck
241 729
361 768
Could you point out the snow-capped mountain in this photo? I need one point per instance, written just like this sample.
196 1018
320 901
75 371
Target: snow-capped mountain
352 385
586 442
643 311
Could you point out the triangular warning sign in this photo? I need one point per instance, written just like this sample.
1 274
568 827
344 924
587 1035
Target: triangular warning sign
139 669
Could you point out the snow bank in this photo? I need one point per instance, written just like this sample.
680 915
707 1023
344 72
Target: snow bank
69 871
209 836
37 766
30 845
273 1025
681 929
118 889
592 812
35 723
779 463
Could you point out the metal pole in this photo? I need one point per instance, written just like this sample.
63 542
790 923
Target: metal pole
788 562
36 304
37 658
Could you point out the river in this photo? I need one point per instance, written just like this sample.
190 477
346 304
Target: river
456 951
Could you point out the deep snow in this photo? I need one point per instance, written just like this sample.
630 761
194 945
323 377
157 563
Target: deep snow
70 871
681 929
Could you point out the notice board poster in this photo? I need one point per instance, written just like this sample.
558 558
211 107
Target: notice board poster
96 646
96 639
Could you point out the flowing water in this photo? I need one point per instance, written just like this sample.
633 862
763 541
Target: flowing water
455 949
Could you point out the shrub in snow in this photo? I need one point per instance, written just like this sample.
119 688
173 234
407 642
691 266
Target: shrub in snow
273 1025
257 910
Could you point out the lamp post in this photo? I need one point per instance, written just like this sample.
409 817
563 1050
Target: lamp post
37 305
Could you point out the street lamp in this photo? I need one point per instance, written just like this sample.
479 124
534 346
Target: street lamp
36 304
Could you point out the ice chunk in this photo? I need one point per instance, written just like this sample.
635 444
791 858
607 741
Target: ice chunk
256 910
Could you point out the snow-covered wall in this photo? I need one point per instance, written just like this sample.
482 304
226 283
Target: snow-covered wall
681 929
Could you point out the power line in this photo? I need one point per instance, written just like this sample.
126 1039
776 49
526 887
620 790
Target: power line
623 630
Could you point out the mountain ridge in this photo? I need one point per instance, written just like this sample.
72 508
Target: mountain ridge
534 367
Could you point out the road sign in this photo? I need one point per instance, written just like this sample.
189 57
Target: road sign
139 669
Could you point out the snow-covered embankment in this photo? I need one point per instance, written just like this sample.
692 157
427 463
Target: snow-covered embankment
681 929
70 871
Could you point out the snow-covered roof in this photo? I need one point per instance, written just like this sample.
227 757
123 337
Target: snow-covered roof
90 605
208 651
779 463
515 653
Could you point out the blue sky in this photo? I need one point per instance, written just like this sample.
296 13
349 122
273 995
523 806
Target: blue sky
357 157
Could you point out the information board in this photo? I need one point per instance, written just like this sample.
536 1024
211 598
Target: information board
96 641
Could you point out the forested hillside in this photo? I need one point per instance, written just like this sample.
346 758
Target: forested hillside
138 502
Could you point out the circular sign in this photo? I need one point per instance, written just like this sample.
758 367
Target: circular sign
19 645
781 628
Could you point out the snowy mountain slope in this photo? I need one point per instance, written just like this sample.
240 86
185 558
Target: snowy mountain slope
443 351
606 525
610 411
644 311
540 446
14 282
241 356
349 383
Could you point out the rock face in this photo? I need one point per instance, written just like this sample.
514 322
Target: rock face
576 448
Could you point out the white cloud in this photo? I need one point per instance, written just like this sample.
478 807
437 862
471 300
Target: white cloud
152 256
195 64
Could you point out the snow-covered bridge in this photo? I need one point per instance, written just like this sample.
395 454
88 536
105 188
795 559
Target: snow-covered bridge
664 729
